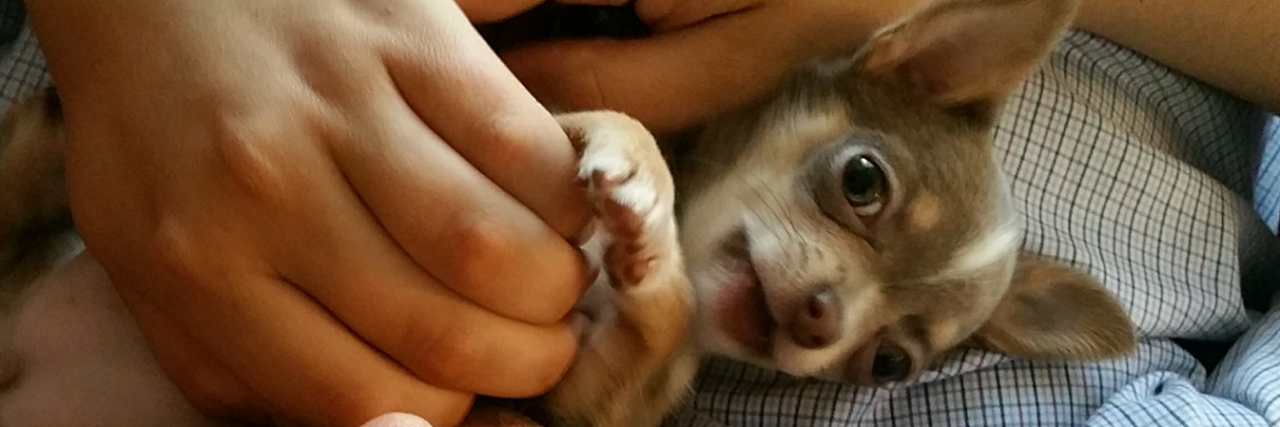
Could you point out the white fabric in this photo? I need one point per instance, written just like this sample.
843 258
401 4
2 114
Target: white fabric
1150 180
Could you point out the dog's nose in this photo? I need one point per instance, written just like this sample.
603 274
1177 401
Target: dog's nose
817 323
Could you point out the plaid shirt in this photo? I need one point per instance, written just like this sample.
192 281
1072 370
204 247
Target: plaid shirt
1150 180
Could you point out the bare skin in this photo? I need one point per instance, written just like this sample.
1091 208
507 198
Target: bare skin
79 344
260 179
679 77
142 230
1230 45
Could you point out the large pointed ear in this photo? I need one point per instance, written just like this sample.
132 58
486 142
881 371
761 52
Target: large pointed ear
967 53
1053 311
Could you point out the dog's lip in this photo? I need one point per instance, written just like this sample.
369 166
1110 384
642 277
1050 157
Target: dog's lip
742 311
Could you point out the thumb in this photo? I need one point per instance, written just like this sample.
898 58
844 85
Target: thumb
397 420
668 81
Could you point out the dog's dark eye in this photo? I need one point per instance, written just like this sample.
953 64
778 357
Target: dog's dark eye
891 363
863 182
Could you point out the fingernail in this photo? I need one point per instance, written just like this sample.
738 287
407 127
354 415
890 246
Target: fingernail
397 419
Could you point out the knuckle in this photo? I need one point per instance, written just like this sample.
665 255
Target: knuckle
446 353
174 245
184 253
246 150
511 136
482 244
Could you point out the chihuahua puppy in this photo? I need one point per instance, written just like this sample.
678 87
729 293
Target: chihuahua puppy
854 225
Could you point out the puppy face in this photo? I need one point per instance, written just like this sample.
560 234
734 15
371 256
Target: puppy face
856 225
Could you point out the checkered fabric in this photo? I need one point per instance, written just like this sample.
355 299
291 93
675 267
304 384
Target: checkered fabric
1161 187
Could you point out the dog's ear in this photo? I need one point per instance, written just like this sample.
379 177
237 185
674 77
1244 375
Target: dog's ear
1053 311
967 54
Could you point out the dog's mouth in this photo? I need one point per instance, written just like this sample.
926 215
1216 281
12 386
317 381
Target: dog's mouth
743 313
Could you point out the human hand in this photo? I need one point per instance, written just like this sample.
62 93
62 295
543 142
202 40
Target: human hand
320 210
703 58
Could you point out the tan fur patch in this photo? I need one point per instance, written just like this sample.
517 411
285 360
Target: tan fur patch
945 332
925 212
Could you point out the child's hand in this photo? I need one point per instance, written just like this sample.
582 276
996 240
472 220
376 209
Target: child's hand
320 210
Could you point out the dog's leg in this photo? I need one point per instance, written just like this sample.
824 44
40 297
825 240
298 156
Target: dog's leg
636 362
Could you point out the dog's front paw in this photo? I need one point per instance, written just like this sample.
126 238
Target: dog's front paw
634 365
626 204
631 189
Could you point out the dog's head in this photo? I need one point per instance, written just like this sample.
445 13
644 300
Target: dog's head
856 224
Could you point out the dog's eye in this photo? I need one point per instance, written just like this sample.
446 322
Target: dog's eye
890 364
863 183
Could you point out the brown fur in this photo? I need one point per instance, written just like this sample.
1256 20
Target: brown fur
923 95
935 267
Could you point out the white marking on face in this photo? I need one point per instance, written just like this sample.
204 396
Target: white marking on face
987 249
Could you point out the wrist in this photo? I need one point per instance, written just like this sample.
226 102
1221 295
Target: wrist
104 46
75 37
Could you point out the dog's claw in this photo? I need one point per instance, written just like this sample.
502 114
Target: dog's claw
626 204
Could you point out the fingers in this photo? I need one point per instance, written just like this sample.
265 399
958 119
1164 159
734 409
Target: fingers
456 224
462 91
368 281
333 379
668 81
441 338
362 277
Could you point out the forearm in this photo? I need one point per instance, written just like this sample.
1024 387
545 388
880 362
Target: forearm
1229 44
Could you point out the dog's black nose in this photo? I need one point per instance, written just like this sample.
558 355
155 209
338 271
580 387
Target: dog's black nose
817 323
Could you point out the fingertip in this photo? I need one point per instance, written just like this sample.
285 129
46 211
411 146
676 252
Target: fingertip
548 363
573 215
565 353
397 419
